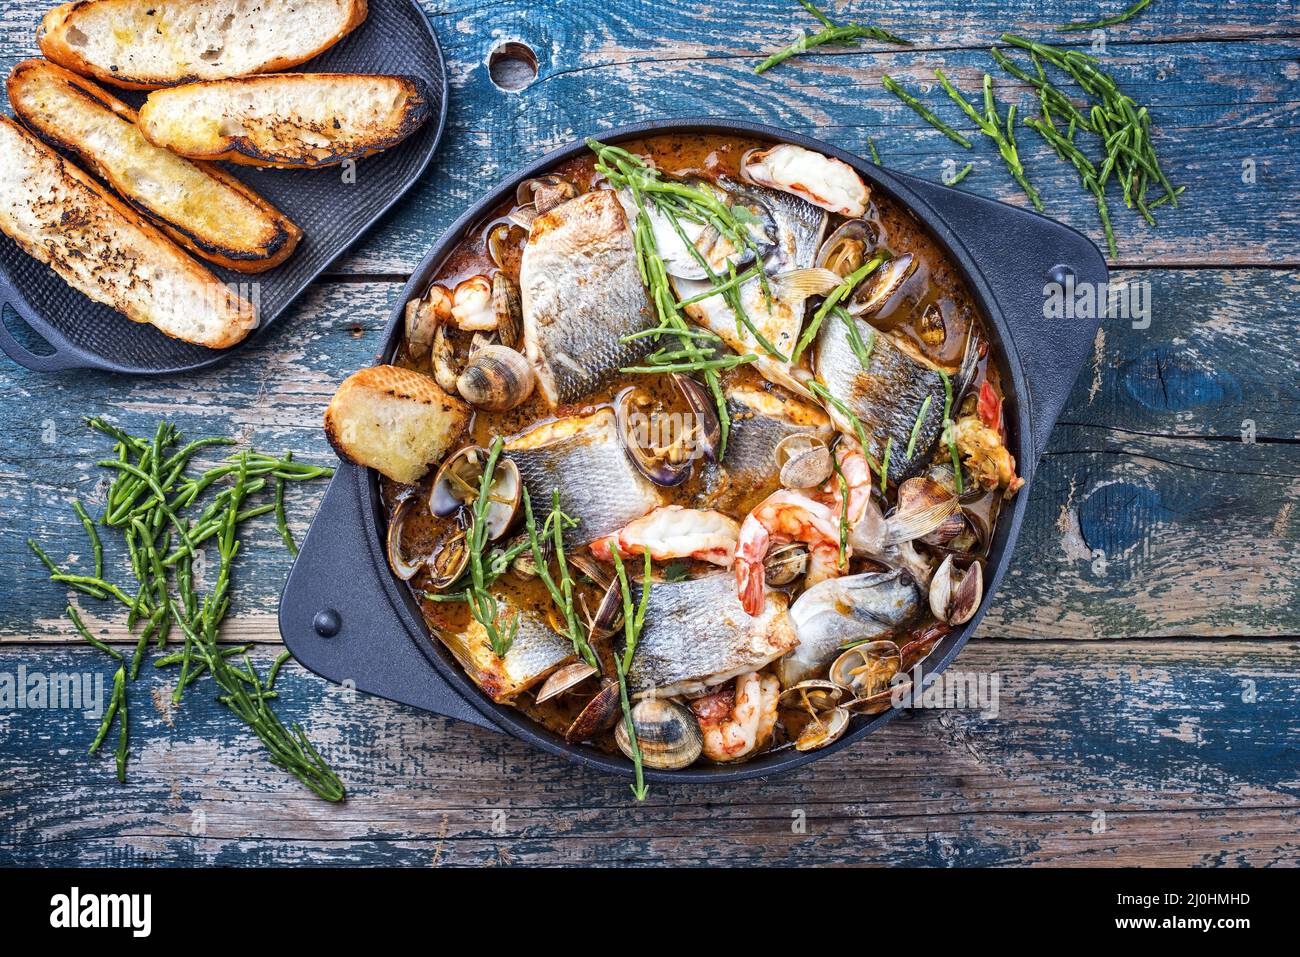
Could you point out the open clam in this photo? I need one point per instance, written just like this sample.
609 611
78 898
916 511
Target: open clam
846 249
867 671
927 510
812 695
456 488
667 734
823 728
403 567
956 594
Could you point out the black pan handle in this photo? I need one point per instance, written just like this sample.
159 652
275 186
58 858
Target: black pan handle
338 619
60 358
1018 254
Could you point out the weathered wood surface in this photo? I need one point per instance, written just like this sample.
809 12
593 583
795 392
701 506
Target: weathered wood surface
1153 529
1130 753
1217 103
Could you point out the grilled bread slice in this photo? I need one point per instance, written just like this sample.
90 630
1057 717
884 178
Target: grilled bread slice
147 44
104 249
200 206
290 120
394 420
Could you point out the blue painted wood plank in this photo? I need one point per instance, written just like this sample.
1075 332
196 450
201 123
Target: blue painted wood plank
603 64
1160 753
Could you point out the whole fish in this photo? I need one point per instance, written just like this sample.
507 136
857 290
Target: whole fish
583 457
536 651
696 635
580 290
889 395
862 607
789 261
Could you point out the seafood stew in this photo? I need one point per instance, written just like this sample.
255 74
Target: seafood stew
728 358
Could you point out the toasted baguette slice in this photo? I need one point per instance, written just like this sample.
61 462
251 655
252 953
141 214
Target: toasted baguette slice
147 44
200 206
104 249
290 120
394 420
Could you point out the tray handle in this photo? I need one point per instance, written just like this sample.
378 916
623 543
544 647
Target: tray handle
336 617
1018 253
61 358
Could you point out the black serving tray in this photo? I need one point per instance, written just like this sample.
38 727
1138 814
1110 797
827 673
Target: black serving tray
396 37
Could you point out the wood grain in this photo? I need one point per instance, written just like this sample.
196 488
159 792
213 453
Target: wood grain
1154 530
1128 753
1217 104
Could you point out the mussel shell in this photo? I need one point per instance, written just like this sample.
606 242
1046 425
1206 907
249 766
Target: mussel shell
708 427
404 569
666 732
846 249
496 378
827 728
598 716
564 679
785 564
873 294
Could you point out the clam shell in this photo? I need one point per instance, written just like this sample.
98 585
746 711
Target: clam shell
597 717
666 732
564 679
496 378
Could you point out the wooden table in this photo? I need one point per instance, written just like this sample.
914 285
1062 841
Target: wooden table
1146 636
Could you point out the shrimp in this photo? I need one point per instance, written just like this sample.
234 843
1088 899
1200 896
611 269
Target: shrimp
737 720
785 516
857 476
675 532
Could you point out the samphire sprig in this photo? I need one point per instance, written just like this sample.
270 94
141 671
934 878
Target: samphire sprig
633 621
148 502
654 275
676 202
1128 14
483 604
562 592
831 33
992 125
1123 127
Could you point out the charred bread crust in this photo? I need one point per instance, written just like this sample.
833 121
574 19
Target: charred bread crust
245 150
270 251
94 202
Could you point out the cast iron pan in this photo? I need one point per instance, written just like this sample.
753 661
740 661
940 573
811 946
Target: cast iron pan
345 616
395 38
